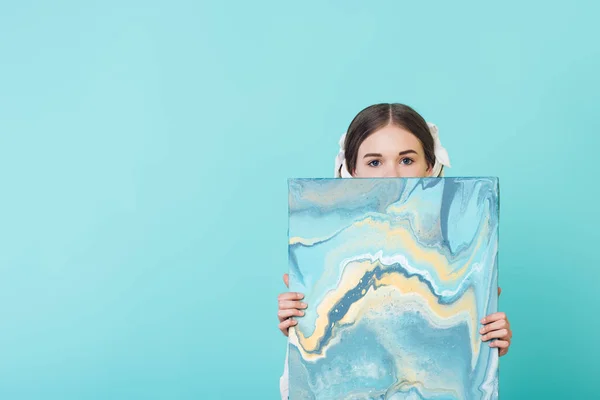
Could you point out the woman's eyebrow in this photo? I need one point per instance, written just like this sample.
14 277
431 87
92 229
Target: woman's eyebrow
372 155
405 152
402 153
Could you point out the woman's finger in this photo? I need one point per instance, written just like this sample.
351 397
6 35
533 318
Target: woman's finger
285 314
499 334
494 326
290 296
286 280
501 344
493 317
285 325
287 304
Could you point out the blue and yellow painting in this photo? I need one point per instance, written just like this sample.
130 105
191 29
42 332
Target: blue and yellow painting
397 274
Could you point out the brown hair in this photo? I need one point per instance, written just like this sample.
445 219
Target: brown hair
376 117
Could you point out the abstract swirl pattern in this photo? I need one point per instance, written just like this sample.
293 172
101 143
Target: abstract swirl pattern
397 274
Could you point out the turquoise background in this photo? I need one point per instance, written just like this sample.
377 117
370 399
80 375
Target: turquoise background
144 152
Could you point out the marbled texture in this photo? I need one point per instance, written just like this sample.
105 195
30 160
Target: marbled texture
397 274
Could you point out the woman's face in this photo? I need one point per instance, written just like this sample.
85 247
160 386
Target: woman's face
391 152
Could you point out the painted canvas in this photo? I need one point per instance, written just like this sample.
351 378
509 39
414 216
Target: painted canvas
397 274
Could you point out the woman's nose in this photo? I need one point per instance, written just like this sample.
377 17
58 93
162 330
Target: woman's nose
396 173
392 173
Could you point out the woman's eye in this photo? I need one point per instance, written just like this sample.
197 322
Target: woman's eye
406 161
375 163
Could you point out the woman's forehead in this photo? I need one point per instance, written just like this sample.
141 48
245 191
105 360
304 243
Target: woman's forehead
390 139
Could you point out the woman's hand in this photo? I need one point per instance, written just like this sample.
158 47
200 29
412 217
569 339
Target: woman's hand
496 326
289 306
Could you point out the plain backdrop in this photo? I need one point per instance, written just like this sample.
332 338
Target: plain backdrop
145 148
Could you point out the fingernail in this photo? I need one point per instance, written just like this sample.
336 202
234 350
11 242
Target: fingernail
482 331
301 313
304 305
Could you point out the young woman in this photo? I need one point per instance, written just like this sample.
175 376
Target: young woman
389 140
